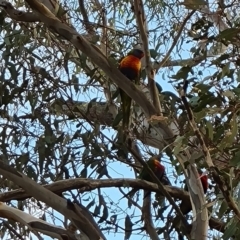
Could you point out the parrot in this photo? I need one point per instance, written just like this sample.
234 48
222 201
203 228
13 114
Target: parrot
185 209
159 171
130 66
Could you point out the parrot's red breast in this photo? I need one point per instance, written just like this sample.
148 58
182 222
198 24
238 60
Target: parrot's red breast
130 66
204 181
185 209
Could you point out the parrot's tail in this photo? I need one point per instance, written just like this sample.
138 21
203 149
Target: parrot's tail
126 110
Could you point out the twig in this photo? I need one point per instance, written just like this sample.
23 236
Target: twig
10 228
175 40
88 25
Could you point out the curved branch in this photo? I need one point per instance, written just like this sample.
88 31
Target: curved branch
94 54
34 224
17 14
76 213
91 184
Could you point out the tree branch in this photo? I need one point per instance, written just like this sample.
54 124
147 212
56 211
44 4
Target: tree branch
17 14
200 213
77 214
165 59
95 54
35 225
222 184
142 25
89 184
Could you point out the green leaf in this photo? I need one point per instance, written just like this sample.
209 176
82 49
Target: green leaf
105 214
46 93
230 230
230 135
210 129
40 146
31 173
182 73
117 119
83 173
128 228
85 154
235 161
178 145
75 82
113 219
225 70
97 210
228 94
194 4
13 71
223 208
90 204
228 34
154 54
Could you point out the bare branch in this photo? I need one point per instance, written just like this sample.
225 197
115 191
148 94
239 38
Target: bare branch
165 59
78 215
147 217
91 184
200 213
89 27
142 24
34 224
180 62
18 15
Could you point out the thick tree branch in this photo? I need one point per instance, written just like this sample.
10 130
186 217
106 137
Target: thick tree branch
89 184
104 114
99 59
35 225
180 62
147 217
200 213
17 14
77 214
95 54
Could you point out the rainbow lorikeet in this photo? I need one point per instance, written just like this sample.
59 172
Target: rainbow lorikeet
130 66
185 209
158 169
